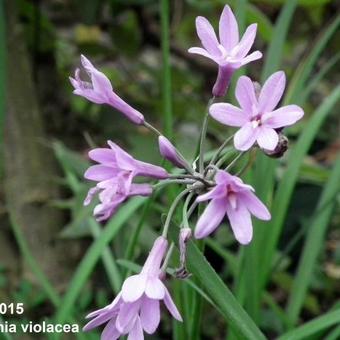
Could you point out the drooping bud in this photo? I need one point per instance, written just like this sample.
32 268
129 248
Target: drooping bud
281 147
169 152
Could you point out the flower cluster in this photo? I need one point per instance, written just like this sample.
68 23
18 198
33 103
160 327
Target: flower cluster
136 309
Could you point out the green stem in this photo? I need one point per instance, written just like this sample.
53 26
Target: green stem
203 135
234 161
220 149
172 210
167 92
167 257
152 128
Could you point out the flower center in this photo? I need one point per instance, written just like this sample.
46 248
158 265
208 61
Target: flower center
231 196
256 121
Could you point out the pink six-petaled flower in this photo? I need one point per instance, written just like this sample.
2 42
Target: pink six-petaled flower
114 174
257 117
137 306
228 52
99 90
235 199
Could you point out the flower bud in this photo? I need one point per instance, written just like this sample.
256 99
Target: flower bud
280 149
169 152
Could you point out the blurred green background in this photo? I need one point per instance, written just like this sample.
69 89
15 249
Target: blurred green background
57 260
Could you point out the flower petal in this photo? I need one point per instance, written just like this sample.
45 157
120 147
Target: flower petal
103 155
126 316
99 81
133 288
217 192
228 29
170 305
98 320
136 332
207 36
211 218
155 289
150 315
203 52
228 114
267 138
245 137
110 331
245 95
272 92
284 116
150 170
100 173
254 205
240 223
251 57
247 41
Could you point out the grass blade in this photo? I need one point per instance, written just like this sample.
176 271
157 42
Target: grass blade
92 256
287 184
302 73
108 260
313 244
237 318
166 74
312 327
275 50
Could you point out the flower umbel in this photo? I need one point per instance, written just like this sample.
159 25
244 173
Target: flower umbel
235 199
100 91
137 307
229 52
256 116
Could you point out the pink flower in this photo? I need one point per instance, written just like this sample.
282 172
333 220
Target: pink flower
228 52
169 152
114 174
137 307
257 117
100 91
235 199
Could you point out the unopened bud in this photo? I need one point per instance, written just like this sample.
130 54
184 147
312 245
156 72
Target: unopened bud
169 152
280 149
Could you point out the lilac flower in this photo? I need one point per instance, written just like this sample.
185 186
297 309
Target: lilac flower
114 174
257 117
100 91
228 52
137 307
169 152
235 199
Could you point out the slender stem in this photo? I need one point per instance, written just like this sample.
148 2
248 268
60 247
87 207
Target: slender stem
172 210
251 160
152 128
222 159
234 161
166 69
167 257
220 149
185 219
203 135
173 181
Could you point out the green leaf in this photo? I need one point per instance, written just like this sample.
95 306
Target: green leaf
275 50
288 181
312 327
92 256
304 70
313 244
234 314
